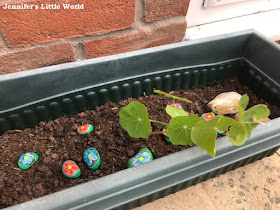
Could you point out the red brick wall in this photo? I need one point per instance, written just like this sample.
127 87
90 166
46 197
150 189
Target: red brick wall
37 37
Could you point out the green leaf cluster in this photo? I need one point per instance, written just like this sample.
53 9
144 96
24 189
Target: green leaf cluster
204 133
183 129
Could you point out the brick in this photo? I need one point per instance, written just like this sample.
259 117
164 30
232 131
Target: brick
168 34
137 40
36 57
160 9
34 26
109 46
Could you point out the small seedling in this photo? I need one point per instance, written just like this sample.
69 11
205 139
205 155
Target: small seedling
184 129
173 111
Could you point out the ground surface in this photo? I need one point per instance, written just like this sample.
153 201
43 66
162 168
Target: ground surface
57 141
253 187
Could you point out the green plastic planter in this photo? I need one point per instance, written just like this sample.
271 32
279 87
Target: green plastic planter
42 94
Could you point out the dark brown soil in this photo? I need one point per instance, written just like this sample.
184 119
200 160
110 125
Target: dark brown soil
57 141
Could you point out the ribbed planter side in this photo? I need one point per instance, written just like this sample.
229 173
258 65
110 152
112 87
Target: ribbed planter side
260 83
89 98
174 79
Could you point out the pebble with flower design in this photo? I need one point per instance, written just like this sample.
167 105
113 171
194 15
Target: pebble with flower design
176 105
27 160
143 156
92 158
85 129
70 169
208 116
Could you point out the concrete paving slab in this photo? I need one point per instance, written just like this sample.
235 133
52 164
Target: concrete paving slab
252 187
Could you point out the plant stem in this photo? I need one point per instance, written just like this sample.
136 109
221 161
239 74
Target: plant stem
171 96
155 121
156 132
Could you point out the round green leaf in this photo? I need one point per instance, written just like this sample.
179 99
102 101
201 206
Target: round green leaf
235 130
237 134
204 134
256 113
175 112
179 129
244 100
134 119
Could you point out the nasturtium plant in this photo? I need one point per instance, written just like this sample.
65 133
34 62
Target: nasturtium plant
135 120
253 116
183 129
204 133
237 131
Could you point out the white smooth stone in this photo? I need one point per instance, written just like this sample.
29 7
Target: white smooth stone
225 103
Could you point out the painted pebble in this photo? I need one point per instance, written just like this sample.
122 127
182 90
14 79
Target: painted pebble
220 132
27 160
176 105
143 156
225 103
70 169
92 158
210 116
166 136
85 129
